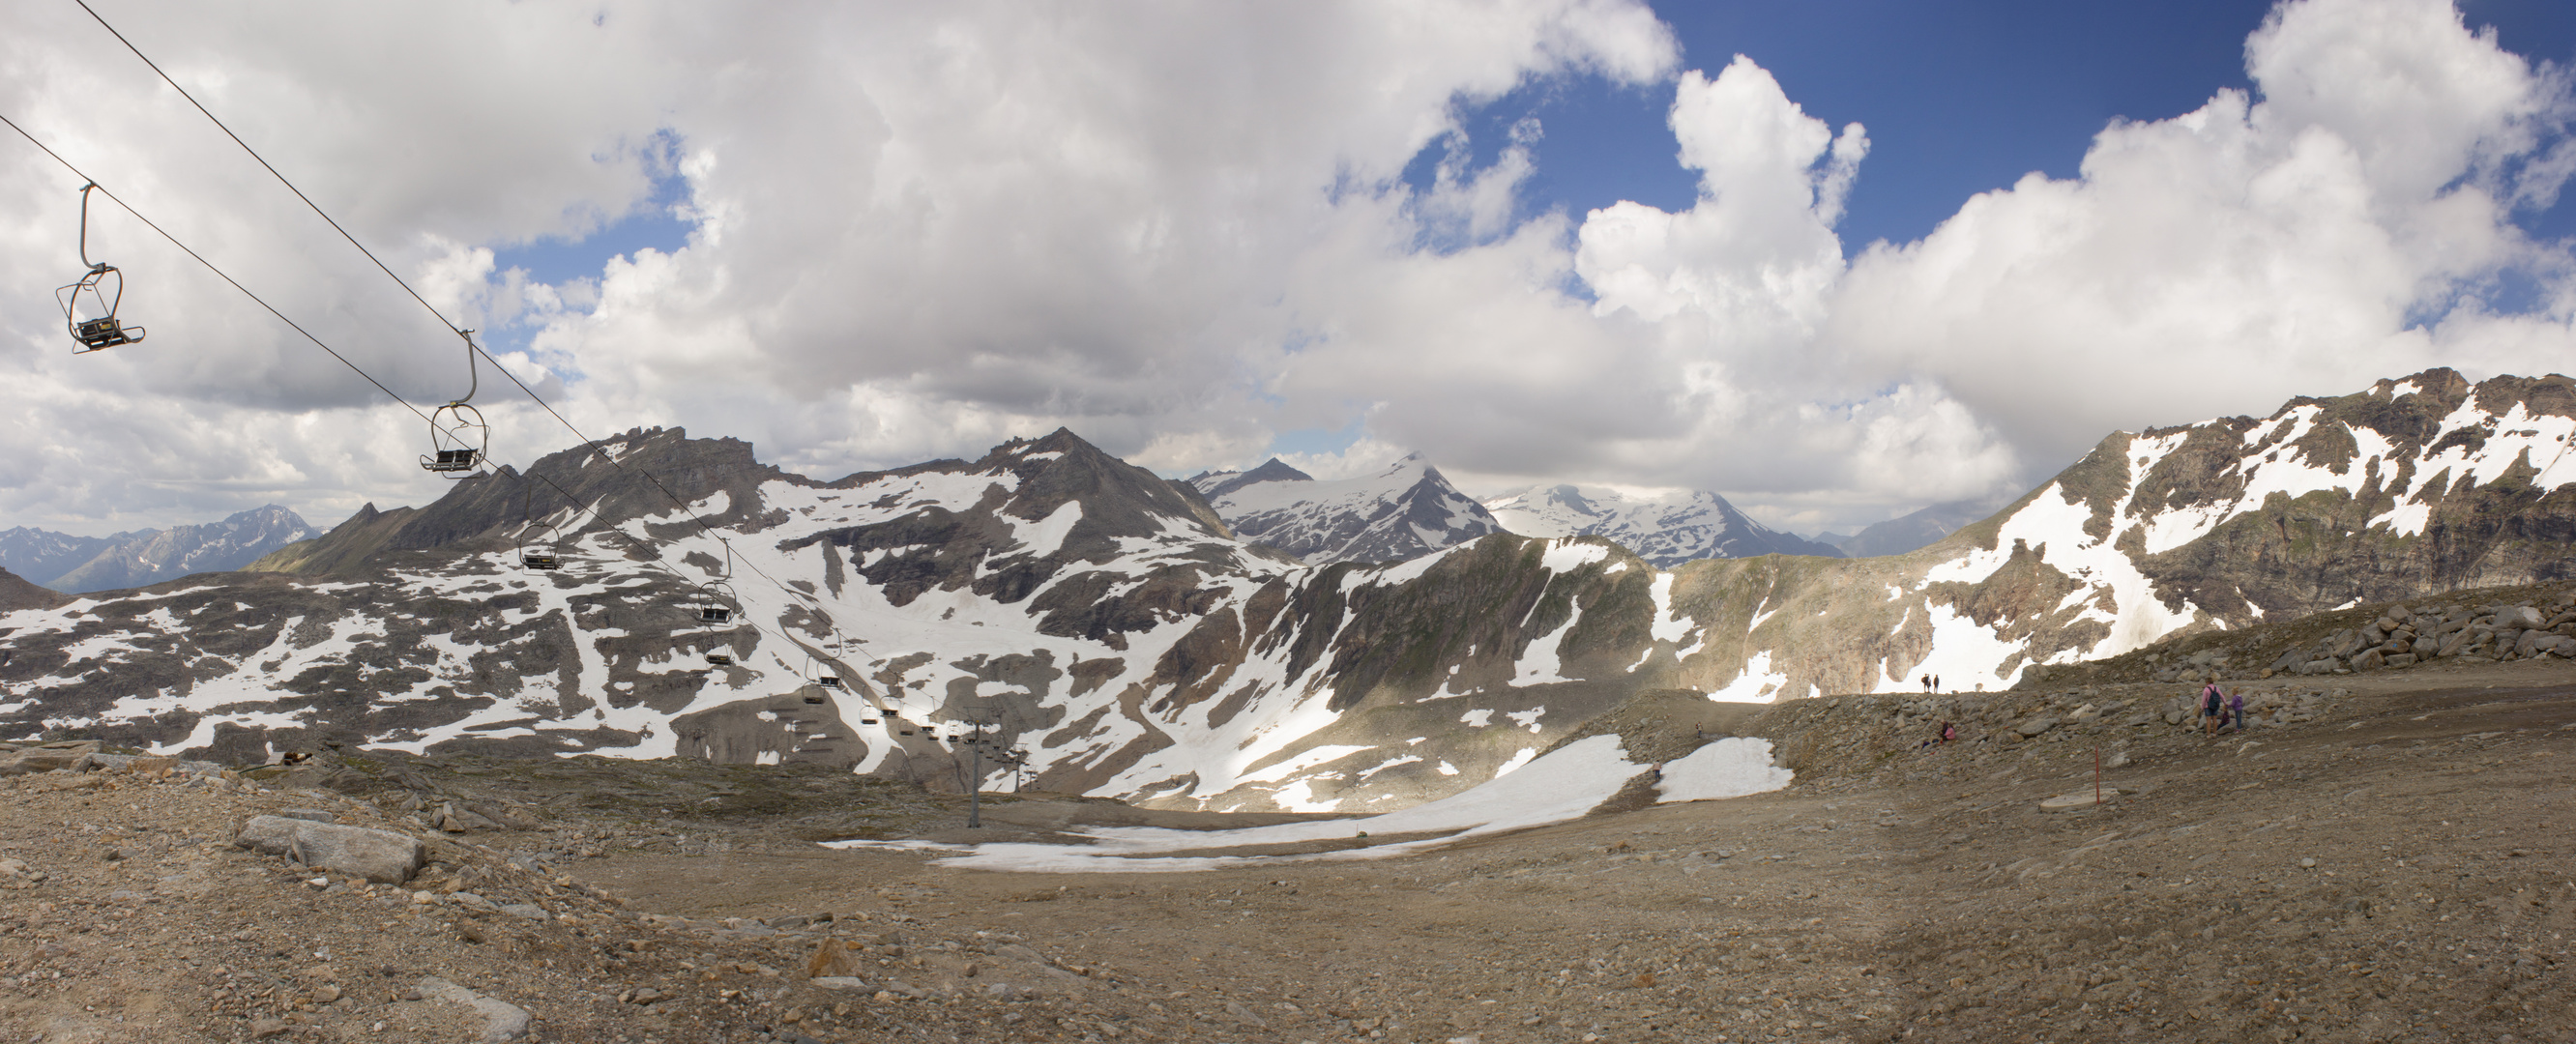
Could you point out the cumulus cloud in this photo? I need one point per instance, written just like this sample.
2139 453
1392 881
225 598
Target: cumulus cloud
2338 228
916 230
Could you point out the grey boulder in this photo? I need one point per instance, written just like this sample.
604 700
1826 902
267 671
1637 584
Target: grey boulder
502 1020
377 855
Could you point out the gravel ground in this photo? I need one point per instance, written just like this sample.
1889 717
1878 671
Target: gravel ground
2387 862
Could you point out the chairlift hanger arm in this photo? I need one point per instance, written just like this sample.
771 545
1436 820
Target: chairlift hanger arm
94 266
473 373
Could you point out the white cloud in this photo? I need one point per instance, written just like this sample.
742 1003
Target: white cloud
1758 252
2229 258
921 228
1179 229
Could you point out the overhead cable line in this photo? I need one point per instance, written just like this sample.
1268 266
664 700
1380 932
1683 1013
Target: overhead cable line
281 178
467 335
370 378
211 267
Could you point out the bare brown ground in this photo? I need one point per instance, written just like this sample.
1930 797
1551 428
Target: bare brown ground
2397 869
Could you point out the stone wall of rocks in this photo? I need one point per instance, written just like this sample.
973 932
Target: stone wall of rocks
2403 637
1843 737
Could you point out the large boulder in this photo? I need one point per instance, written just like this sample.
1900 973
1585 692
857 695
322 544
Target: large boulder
377 855
50 757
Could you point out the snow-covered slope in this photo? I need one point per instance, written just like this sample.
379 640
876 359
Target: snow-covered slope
1133 648
1403 511
1666 532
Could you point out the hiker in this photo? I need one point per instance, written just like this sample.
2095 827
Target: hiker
1947 733
1936 683
2212 705
2236 709
1927 683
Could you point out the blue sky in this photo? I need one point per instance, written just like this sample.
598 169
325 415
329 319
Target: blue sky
1958 97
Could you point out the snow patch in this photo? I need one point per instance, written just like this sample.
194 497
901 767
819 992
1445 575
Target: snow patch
1758 683
1731 767
1566 784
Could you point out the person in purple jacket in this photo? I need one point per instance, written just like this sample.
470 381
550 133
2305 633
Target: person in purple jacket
2236 709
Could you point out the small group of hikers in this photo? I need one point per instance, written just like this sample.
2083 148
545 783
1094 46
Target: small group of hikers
1931 683
2221 710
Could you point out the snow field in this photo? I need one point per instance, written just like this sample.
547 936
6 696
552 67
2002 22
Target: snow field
1564 785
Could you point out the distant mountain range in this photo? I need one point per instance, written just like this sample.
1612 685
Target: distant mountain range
1409 509
1905 533
1405 510
78 564
1664 532
1110 624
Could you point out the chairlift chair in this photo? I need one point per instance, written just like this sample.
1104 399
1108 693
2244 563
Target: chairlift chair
716 602
715 605
458 437
539 553
97 292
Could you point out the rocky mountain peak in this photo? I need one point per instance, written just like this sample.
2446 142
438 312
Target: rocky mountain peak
1405 510
1665 531
1109 497
1272 470
643 473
